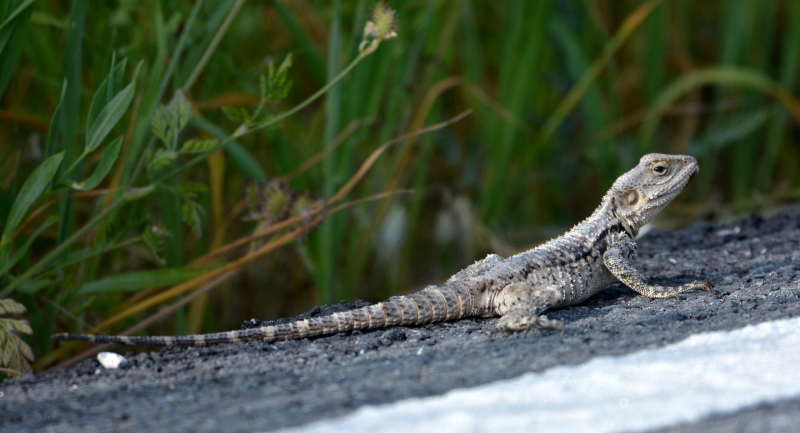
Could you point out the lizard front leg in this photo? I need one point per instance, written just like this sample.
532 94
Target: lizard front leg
619 259
522 305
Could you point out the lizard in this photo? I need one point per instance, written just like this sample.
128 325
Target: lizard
562 272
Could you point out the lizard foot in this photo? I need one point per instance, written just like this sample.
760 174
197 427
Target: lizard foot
664 292
517 323
703 285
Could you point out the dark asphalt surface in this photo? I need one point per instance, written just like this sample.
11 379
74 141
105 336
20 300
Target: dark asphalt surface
754 263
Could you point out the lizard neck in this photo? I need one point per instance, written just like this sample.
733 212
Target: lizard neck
607 215
610 208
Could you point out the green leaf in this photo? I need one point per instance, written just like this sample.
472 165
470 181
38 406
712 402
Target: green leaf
170 119
24 249
106 91
196 145
38 181
191 212
239 115
110 114
14 353
162 158
107 161
32 286
159 124
180 110
276 84
142 280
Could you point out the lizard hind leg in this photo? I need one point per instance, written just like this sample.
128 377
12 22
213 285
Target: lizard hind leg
521 306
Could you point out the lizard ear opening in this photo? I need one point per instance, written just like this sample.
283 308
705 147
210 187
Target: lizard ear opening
632 198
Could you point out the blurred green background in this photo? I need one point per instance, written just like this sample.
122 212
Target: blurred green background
565 96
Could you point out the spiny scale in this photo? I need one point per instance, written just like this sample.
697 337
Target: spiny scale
564 271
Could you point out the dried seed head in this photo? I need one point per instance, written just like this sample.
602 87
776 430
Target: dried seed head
277 200
382 26
305 204
270 201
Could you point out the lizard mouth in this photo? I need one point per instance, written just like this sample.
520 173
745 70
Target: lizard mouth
692 176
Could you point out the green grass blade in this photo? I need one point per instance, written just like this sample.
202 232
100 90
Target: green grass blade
308 51
722 76
790 64
22 250
56 123
532 30
324 275
655 53
213 45
57 252
7 27
571 100
140 280
36 184
592 106
151 97
12 36
71 106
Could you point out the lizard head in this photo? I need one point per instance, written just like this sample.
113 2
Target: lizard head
640 194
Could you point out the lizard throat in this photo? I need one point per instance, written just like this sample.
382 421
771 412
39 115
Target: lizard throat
631 230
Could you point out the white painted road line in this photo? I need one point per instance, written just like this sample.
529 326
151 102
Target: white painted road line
706 374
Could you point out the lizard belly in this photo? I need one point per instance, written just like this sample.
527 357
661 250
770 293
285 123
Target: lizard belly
580 283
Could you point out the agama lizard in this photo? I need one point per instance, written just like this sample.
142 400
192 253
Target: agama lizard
562 272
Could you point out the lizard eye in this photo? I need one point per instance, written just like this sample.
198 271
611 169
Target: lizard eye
632 198
660 169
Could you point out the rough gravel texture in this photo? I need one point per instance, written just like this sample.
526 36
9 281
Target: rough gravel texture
754 263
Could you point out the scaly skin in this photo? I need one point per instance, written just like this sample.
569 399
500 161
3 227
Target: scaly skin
564 271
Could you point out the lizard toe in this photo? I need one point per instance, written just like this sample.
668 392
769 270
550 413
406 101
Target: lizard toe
545 323
514 323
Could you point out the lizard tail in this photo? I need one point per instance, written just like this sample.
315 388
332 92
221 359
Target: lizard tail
433 304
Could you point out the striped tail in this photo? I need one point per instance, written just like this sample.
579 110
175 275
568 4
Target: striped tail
433 304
